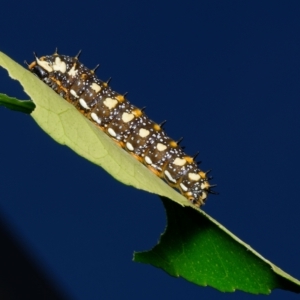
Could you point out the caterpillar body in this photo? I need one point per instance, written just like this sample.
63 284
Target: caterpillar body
126 124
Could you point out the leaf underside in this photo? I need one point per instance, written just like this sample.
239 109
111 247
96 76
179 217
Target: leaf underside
194 245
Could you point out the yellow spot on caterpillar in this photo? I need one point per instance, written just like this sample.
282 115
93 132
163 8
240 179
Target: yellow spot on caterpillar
110 103
173 144
202 174
161 147
194 176
59 65
204 196
96 87
120 98
189 159
179 161
73 72
205 185
137 112
126 117
44 65
84 76
156 127
143 132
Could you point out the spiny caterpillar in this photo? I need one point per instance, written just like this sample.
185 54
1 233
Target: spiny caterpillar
126 124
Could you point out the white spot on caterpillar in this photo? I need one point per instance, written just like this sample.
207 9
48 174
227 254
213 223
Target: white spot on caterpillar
194 176
126 117
184 188
179 161
73 72
110 103
143 132
129 146
95 118
72 92
59 65
83 104
96 87
167 173
161 147
44 65
148 160
111 132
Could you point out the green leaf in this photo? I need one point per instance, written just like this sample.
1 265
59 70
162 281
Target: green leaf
197 248
194 246
24 106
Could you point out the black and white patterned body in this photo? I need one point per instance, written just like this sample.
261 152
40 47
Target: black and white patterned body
124 123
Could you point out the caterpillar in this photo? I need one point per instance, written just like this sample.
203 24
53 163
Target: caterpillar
126 124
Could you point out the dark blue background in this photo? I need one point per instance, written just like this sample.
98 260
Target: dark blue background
225 74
